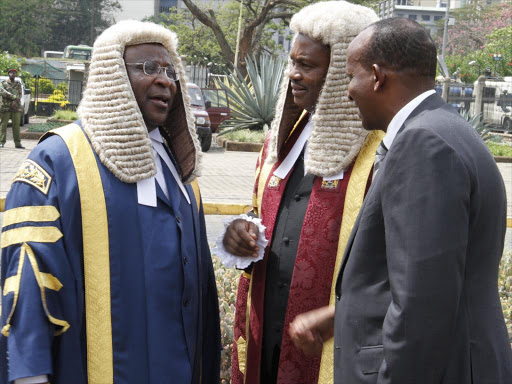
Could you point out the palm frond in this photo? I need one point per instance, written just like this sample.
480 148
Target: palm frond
253 99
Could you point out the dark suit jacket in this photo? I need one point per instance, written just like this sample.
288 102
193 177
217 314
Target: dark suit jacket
417 299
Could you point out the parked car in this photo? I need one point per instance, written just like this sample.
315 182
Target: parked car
201 116
217 106
25 99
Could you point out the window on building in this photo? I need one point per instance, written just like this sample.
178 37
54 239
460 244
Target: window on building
442 5
436 18
425 17
401 2
413 17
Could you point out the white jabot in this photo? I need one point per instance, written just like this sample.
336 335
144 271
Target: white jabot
32 380
146 189
285 167
402 115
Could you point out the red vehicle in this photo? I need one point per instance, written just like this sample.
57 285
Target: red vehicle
201 116
217 106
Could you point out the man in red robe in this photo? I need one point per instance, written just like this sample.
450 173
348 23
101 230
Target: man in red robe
311 178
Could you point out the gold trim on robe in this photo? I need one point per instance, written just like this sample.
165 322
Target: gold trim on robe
100 361
31 214
353 202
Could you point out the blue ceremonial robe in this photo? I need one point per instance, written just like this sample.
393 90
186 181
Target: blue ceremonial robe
164 308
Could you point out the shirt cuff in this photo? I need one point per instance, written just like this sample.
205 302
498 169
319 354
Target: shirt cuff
32 380
228 259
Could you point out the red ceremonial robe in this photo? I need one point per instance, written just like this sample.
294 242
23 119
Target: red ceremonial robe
312 279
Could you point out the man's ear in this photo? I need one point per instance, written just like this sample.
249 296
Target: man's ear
379 77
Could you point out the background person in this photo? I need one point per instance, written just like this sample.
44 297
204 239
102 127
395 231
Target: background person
10 108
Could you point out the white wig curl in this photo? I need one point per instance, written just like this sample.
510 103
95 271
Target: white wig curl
111 116
338 134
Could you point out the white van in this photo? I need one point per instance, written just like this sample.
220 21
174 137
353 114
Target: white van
500 113
25 99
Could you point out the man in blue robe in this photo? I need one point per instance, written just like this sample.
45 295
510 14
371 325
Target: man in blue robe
106 272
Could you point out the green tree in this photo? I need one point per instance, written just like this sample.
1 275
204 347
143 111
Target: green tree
29 27
8 61
24 25
478 34
259 19
79 21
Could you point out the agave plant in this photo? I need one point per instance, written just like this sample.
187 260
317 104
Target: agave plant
475 121
253 99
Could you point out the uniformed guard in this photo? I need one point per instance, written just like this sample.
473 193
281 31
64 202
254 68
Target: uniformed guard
10 108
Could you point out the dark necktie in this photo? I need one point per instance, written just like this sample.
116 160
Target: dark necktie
379 158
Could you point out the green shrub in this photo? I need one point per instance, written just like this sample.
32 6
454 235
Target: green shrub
63 114
499 149
505 288
45 86
56 96
227 285
63 87
246 136
45 127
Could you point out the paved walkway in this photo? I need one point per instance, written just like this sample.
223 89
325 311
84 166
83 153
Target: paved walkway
227 177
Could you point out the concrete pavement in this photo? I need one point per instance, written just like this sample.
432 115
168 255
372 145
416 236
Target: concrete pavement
227 178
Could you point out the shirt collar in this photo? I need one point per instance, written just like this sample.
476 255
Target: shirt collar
402 115
156 135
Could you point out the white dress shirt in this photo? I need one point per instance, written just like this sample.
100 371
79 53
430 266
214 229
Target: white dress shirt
146 189
285 167
402 115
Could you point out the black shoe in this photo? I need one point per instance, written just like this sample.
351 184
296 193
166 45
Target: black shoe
20 146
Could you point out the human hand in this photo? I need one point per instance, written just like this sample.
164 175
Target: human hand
310 330
240 238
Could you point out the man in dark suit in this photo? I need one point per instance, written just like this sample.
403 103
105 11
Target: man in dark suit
417 299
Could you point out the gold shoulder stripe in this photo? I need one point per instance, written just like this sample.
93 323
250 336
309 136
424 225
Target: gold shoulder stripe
32 214
49 282
42 279
100 360
32 173
197 193
353 201
30 234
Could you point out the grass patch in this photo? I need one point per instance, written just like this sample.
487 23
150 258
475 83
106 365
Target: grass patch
45 127
246 136
499 149
62 114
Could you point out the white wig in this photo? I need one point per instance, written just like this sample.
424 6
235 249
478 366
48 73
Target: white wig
338 134
111 116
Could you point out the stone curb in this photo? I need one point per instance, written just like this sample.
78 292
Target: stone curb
223 209
503 159
229 145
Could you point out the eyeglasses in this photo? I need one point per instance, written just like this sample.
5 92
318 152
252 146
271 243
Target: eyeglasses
151 68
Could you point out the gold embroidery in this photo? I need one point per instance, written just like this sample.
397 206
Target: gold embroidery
330 184
30 234
246 275
100 361
33 214
241 347
247 325
273 182
43 280
353 201
33 174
